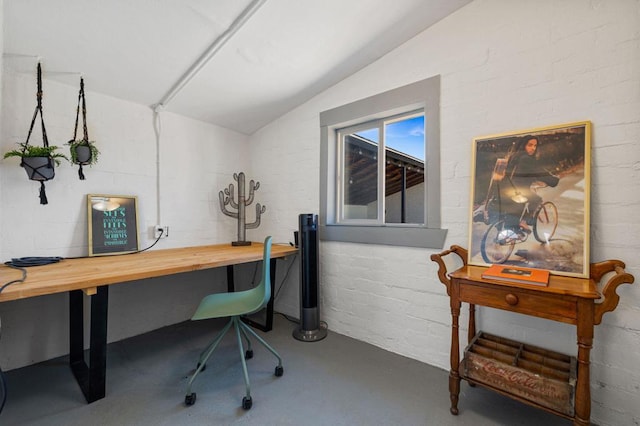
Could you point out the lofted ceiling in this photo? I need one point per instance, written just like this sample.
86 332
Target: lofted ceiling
265 56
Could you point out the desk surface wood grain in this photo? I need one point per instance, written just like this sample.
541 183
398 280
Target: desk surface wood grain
91 272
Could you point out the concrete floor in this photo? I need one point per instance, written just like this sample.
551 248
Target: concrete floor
337 381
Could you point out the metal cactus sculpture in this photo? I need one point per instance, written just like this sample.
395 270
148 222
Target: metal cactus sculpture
227 198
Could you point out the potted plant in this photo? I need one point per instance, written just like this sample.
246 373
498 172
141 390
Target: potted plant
38 161
83 152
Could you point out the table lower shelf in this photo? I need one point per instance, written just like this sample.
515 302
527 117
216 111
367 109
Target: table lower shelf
530 374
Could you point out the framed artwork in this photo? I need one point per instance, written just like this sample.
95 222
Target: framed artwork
530 199
113 224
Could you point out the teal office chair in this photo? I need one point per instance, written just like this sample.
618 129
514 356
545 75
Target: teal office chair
234 305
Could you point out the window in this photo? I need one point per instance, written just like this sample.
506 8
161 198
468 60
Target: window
385 156
363 156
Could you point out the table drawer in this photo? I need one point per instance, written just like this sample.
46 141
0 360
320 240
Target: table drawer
546 305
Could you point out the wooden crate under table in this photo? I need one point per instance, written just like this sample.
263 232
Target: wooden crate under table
534 374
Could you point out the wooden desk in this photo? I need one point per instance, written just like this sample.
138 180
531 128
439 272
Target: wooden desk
93 276
565 299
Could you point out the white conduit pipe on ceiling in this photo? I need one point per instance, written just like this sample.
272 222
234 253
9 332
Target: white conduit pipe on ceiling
210 52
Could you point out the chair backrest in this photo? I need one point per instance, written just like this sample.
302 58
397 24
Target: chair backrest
260 294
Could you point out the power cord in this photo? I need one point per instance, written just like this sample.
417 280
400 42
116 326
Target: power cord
286 275
25 262
39 261
19 280
154 243
323 324
284 279
288 318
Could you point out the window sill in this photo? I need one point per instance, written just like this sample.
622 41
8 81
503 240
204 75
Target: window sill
404 236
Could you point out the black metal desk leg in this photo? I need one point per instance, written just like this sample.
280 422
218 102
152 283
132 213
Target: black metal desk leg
269 321
231 287
91 378
76 328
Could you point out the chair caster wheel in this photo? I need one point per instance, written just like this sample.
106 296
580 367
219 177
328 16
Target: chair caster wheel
204 367
279 371
247 402
248 354
190 399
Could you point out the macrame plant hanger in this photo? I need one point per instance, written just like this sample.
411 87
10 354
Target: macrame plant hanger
35 173
85 137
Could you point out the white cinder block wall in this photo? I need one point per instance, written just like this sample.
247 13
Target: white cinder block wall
505 65
196 161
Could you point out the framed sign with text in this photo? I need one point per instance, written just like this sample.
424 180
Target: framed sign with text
113 224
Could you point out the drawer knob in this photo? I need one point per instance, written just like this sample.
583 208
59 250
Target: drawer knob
511 299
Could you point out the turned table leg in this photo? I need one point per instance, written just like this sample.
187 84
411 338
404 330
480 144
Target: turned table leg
585 343
454 375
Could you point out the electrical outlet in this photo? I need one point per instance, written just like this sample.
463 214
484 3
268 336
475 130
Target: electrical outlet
161 231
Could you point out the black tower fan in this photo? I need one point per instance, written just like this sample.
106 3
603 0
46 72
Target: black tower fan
310 329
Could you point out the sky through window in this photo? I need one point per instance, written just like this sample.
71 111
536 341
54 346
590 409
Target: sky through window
406 136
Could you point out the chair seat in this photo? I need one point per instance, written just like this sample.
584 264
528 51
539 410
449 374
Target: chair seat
221 305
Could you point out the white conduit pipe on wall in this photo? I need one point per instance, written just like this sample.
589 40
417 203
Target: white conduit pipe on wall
188 75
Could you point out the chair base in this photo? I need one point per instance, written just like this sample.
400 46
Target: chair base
241 330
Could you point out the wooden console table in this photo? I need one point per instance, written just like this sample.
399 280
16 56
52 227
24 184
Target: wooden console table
569 300
92 276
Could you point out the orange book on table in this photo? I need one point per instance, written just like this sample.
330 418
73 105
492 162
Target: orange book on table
517 274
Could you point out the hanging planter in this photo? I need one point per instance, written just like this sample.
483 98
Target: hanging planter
38 161
83 151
